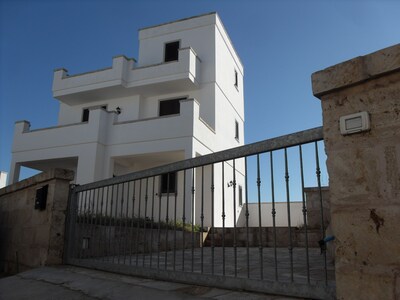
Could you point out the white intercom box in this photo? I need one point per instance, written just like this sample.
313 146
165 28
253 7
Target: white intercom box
354 123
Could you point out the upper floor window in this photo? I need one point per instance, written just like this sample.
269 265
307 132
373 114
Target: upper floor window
168 183
170 107
86 112
240 195
171 51
236 130
85 115
236 79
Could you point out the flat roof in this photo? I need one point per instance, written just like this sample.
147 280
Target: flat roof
180 20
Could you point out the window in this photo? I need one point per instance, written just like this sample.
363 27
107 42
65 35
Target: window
171 51
86 111
168 183
236 130
240 195
170 107
236 79
85 115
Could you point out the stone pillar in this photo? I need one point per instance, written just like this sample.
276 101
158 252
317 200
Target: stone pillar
364 172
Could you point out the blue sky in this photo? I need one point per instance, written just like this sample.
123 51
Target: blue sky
281 43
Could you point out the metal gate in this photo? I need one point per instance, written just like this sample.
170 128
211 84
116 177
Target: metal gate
240 219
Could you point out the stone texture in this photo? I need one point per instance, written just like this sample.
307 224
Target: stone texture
29 237
364 172
356 70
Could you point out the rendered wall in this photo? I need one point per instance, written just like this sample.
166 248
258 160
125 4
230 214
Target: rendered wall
364 172
30 237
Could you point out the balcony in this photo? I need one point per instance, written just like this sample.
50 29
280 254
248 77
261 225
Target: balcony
104 129
124 79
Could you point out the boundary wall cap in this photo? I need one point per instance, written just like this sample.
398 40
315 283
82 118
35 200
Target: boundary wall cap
356 70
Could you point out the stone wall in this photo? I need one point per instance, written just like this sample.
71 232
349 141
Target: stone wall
364 172
32 237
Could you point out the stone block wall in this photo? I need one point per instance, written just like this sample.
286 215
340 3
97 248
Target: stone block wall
31 237
364 173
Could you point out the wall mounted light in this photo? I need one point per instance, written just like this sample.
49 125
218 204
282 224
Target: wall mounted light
118 110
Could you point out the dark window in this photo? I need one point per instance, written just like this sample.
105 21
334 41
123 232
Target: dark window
86 111
236 79
171 51
240 195
85 115
170 107
236 130
168 183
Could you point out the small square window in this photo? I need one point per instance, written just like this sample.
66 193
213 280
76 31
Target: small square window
171 52
85 115
236 130
168 183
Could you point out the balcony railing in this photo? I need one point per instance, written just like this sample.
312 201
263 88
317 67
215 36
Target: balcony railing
124 79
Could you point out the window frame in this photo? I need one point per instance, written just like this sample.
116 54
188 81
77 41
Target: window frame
85 115
163 185
87 109
240 196
165 51
236 79
237 131
171 99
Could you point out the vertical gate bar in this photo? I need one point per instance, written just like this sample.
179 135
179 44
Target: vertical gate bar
318 173
202 220
71 224
138 221
183 219
121 224
159 228
288 214
132 220
92 215
247 218
260 248
126 218
234 218
175 200
79 235
273 212
115 244
146 197
106 221
223 218
129 222
193 191
95 225
119 218
304 210
110 223
167 226
101 227
152 221
83 225
212 231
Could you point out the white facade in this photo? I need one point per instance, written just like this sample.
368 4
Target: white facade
3 179
110 120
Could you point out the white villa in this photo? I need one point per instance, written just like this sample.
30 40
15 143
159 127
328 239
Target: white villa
182 98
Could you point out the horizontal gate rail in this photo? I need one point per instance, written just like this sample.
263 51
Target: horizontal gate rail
241 218
290 140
